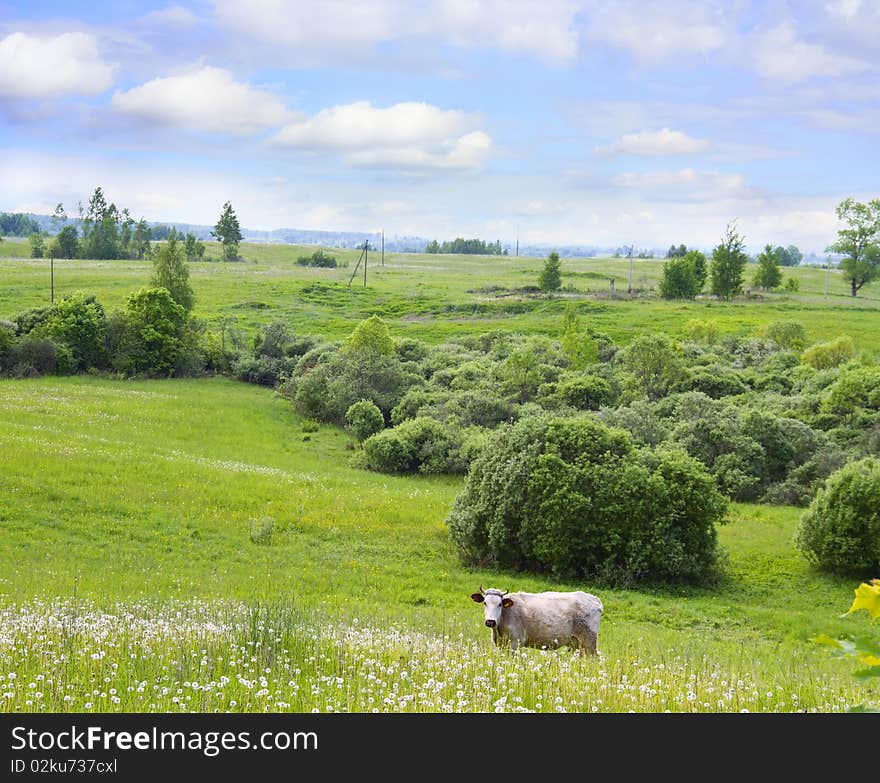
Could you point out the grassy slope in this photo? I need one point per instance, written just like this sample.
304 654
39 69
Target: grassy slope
435 297
121 490
126 490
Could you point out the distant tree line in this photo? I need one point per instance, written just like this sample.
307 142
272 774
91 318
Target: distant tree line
17 225
686 272
106 232
475 247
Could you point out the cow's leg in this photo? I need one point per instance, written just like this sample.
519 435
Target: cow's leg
587 639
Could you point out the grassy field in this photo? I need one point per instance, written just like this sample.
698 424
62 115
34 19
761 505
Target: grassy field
433 297
131 578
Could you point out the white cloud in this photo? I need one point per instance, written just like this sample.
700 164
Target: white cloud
781 56
662 142
315 31
172 16
405 136
208 99
848 9
546 30
653 31
686 183
47 67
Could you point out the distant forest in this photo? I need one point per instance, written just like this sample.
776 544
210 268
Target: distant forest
476 247
18 225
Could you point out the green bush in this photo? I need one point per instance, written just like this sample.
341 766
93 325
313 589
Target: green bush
318 259
7 347
824 356
715 381
79 322
417 445
576 498
840 532
653 365
787 334
262 370
327 388
585 392
153 338
34 355
364 419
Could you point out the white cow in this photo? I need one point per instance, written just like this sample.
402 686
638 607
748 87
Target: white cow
542 619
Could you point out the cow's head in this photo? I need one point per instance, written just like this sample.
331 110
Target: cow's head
493 601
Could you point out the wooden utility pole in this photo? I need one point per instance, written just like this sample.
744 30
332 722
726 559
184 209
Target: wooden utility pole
361 257
630 283
517 241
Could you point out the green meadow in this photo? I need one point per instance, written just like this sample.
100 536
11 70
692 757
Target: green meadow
435 297
191 545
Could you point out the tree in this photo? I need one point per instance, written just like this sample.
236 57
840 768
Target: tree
59 217
195 248
171 272
680 280
37 245
370 336
228 232
100 229
684 275
365 419
654 364
789 256
579 347
859 242
550 279
79 322
841 530
728 264
699 267
154 331
768 274
574 497
676 252
67 242
140 240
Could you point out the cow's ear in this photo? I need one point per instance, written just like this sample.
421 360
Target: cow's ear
507 602
478 597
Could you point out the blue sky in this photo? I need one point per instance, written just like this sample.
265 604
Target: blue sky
571 121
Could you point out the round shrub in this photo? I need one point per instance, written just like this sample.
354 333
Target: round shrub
585 392
576 498
364 419
422 444
840 531
714 381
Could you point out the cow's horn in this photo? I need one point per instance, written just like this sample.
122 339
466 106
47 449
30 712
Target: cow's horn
505 592
481 590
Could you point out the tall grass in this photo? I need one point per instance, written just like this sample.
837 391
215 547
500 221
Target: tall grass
214 657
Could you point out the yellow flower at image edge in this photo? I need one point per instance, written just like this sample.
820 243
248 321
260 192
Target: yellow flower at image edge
867 597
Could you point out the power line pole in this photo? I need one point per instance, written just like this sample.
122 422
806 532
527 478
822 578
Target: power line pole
517 240
361 257
383 247
630 284
52 276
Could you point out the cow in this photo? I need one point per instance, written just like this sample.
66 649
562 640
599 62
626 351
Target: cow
542 619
